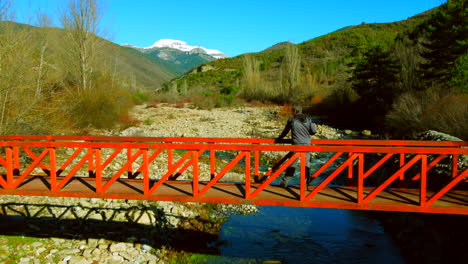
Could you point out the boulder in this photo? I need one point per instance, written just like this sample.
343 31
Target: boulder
366 133
444 166
436 136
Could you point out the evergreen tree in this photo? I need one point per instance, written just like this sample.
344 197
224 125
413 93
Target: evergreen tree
375 79
460 74
446 39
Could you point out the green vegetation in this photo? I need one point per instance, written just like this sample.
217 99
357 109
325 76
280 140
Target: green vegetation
21 245
444 38
388 77
190 258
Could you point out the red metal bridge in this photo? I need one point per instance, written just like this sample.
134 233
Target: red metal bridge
389 175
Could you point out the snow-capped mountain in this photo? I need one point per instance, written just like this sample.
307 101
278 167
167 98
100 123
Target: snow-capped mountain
177 56
182 46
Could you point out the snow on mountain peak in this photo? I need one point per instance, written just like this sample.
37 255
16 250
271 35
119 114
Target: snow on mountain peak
169 43
183 46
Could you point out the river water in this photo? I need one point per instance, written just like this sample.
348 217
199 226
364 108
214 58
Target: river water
305 235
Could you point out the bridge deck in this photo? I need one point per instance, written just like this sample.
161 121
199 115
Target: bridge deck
453 202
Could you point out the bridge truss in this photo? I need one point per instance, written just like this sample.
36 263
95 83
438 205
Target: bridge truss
389 175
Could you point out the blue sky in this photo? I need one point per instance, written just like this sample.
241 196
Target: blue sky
231 26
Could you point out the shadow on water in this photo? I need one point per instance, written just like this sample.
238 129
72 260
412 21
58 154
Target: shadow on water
15 222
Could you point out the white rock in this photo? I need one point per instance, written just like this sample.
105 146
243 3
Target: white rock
118 247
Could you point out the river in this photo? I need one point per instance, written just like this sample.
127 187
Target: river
305 235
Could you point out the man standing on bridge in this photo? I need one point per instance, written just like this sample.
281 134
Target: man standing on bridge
301 128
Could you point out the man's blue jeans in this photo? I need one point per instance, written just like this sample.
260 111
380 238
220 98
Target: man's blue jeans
296 166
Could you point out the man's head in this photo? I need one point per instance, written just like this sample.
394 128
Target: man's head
297 109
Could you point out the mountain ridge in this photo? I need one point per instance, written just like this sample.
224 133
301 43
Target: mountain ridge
176 55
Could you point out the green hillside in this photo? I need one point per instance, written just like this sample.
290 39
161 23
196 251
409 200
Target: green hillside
326 56
388 77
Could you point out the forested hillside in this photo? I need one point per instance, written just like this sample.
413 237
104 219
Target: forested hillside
397 78
60 80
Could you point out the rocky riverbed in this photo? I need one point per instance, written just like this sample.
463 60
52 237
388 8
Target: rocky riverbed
78 230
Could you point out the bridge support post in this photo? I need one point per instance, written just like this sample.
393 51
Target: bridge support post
9 167
303 176
195 173
360 180
422 197
247 174
98 170
402 163
145 172
169 158
212 164
256 166
130 167
90 162
454 165
16 166
53 168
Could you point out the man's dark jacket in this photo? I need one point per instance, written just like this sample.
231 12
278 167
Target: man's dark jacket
301 128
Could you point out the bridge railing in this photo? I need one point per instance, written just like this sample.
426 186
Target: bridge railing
60 158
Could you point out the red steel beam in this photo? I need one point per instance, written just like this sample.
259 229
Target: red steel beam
244 147
339 142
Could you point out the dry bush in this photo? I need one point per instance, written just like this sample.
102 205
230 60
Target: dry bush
101 107
203 102
127 121
415 112
166 97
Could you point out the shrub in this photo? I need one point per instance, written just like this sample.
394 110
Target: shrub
101 107
230 89
203 102
415 112
139 96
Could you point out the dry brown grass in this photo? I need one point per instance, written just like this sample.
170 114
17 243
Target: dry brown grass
438 110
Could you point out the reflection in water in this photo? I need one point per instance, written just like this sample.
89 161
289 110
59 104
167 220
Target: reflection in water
307 235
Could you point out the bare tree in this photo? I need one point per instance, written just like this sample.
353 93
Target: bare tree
15 92
44 22
81 20
6 45
4 7
292 61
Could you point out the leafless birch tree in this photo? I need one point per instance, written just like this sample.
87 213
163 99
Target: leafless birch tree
81 20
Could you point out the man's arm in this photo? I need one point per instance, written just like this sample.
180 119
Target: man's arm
286 130
313 128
